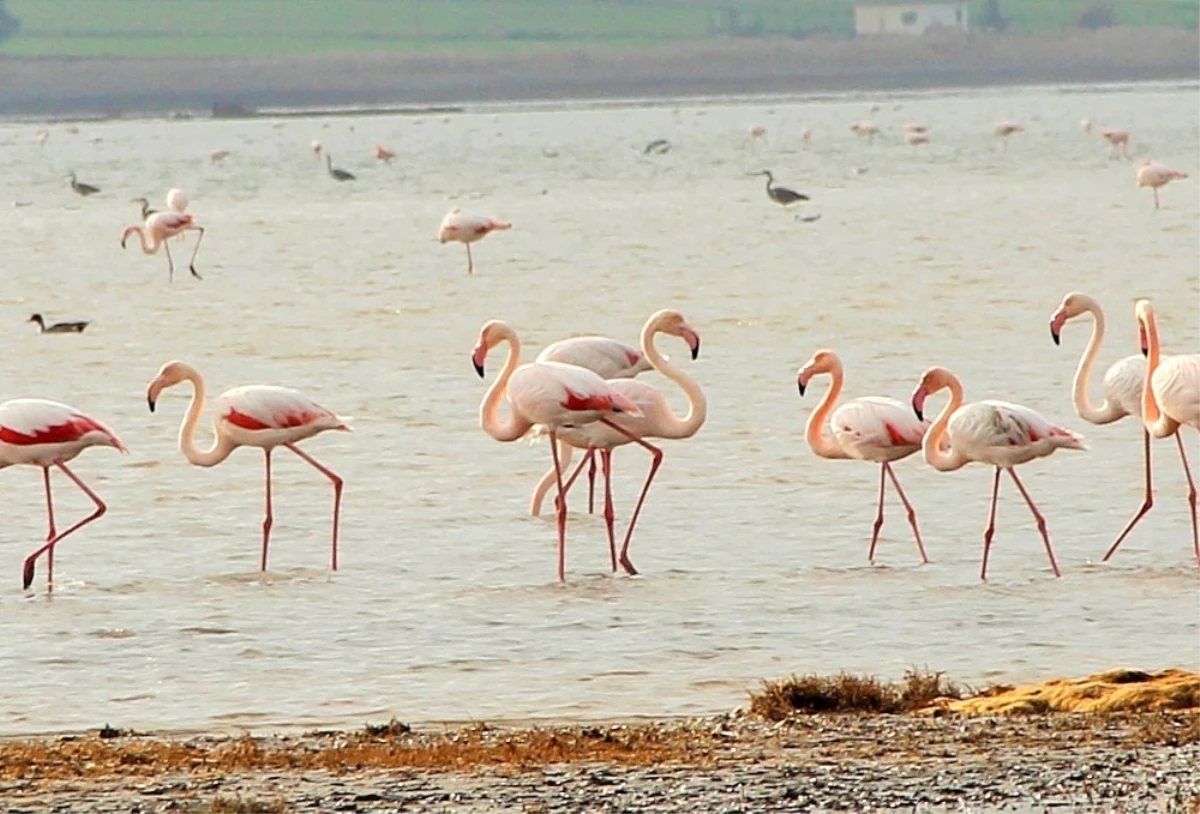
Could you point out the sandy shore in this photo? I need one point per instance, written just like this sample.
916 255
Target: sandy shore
1137 756
124 87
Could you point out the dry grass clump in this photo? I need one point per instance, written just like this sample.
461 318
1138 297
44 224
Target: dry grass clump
390 746
1111 692
1168 729
243 805
849 693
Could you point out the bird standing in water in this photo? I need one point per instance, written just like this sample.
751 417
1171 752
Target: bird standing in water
80 187
336 173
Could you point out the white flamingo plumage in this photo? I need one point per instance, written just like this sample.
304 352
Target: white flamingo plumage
871 428
161 226
466 228
1154 175
997 433
43 433
260 416
547 393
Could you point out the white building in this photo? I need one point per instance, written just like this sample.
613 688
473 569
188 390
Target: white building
910 18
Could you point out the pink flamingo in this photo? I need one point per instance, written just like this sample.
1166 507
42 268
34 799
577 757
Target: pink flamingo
657 420
1119 139
253 416
872 428
1122 387
163 225
607 358
384 154
997 433
1170 398
1154 175
45 433
547 393
1006 129
466 229
865 130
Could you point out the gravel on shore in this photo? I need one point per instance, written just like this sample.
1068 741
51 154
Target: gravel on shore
1143 762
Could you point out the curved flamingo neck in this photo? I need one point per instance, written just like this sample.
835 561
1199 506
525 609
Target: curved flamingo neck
1156 422
489 410
221 448
148 248
1103 413
944 459
697 412
814 430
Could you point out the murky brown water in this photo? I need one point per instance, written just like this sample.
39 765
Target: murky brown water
752 550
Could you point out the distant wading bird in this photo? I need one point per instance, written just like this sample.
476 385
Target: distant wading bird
1119 139
146 210
1170 399
780 195
997 433
81 188
1006 129
871 428
335 173
45 433
1154 175
384 154
551 394
657 420
1122 388
253 416
159 227
58 327
466 228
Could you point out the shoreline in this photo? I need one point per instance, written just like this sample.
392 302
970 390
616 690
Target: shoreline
117 88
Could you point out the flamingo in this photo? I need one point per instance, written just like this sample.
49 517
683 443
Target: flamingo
657 420
163 225
1119 139
916 128
1170 398
42 136
548 393
1154 175
1006 129
1086 125
384 154
46 433
871 428
217 156
865 130
758 133
605 357
997 433
316 147
466 229
914 138
1122 389
176 200
255 415
806 134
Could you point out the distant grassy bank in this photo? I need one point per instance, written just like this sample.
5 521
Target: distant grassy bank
66 86
276 28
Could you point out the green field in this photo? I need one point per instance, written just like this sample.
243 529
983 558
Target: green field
227 28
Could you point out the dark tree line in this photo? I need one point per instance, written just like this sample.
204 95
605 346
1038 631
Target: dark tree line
9 25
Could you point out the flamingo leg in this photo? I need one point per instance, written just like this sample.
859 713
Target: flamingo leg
592 486
1155 197
337 497
655 463
1187 470
912 513
470 262
563 448
1041 521
1147 502
170 262
48 548
561 505
990 531
269 520
196 248
609 514
878 516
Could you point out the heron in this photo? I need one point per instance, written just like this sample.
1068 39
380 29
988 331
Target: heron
146 210
81 188
335 173
58 327
780 195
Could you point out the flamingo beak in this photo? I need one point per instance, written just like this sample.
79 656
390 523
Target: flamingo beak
1056 323
693 340
918 403
152 394
478 358
802 380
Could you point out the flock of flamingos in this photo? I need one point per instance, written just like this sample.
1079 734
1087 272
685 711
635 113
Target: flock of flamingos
583 393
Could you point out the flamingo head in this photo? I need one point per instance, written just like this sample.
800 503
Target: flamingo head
672 322
169 375
490 335
1071 306
1147 325
823 361
932 380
